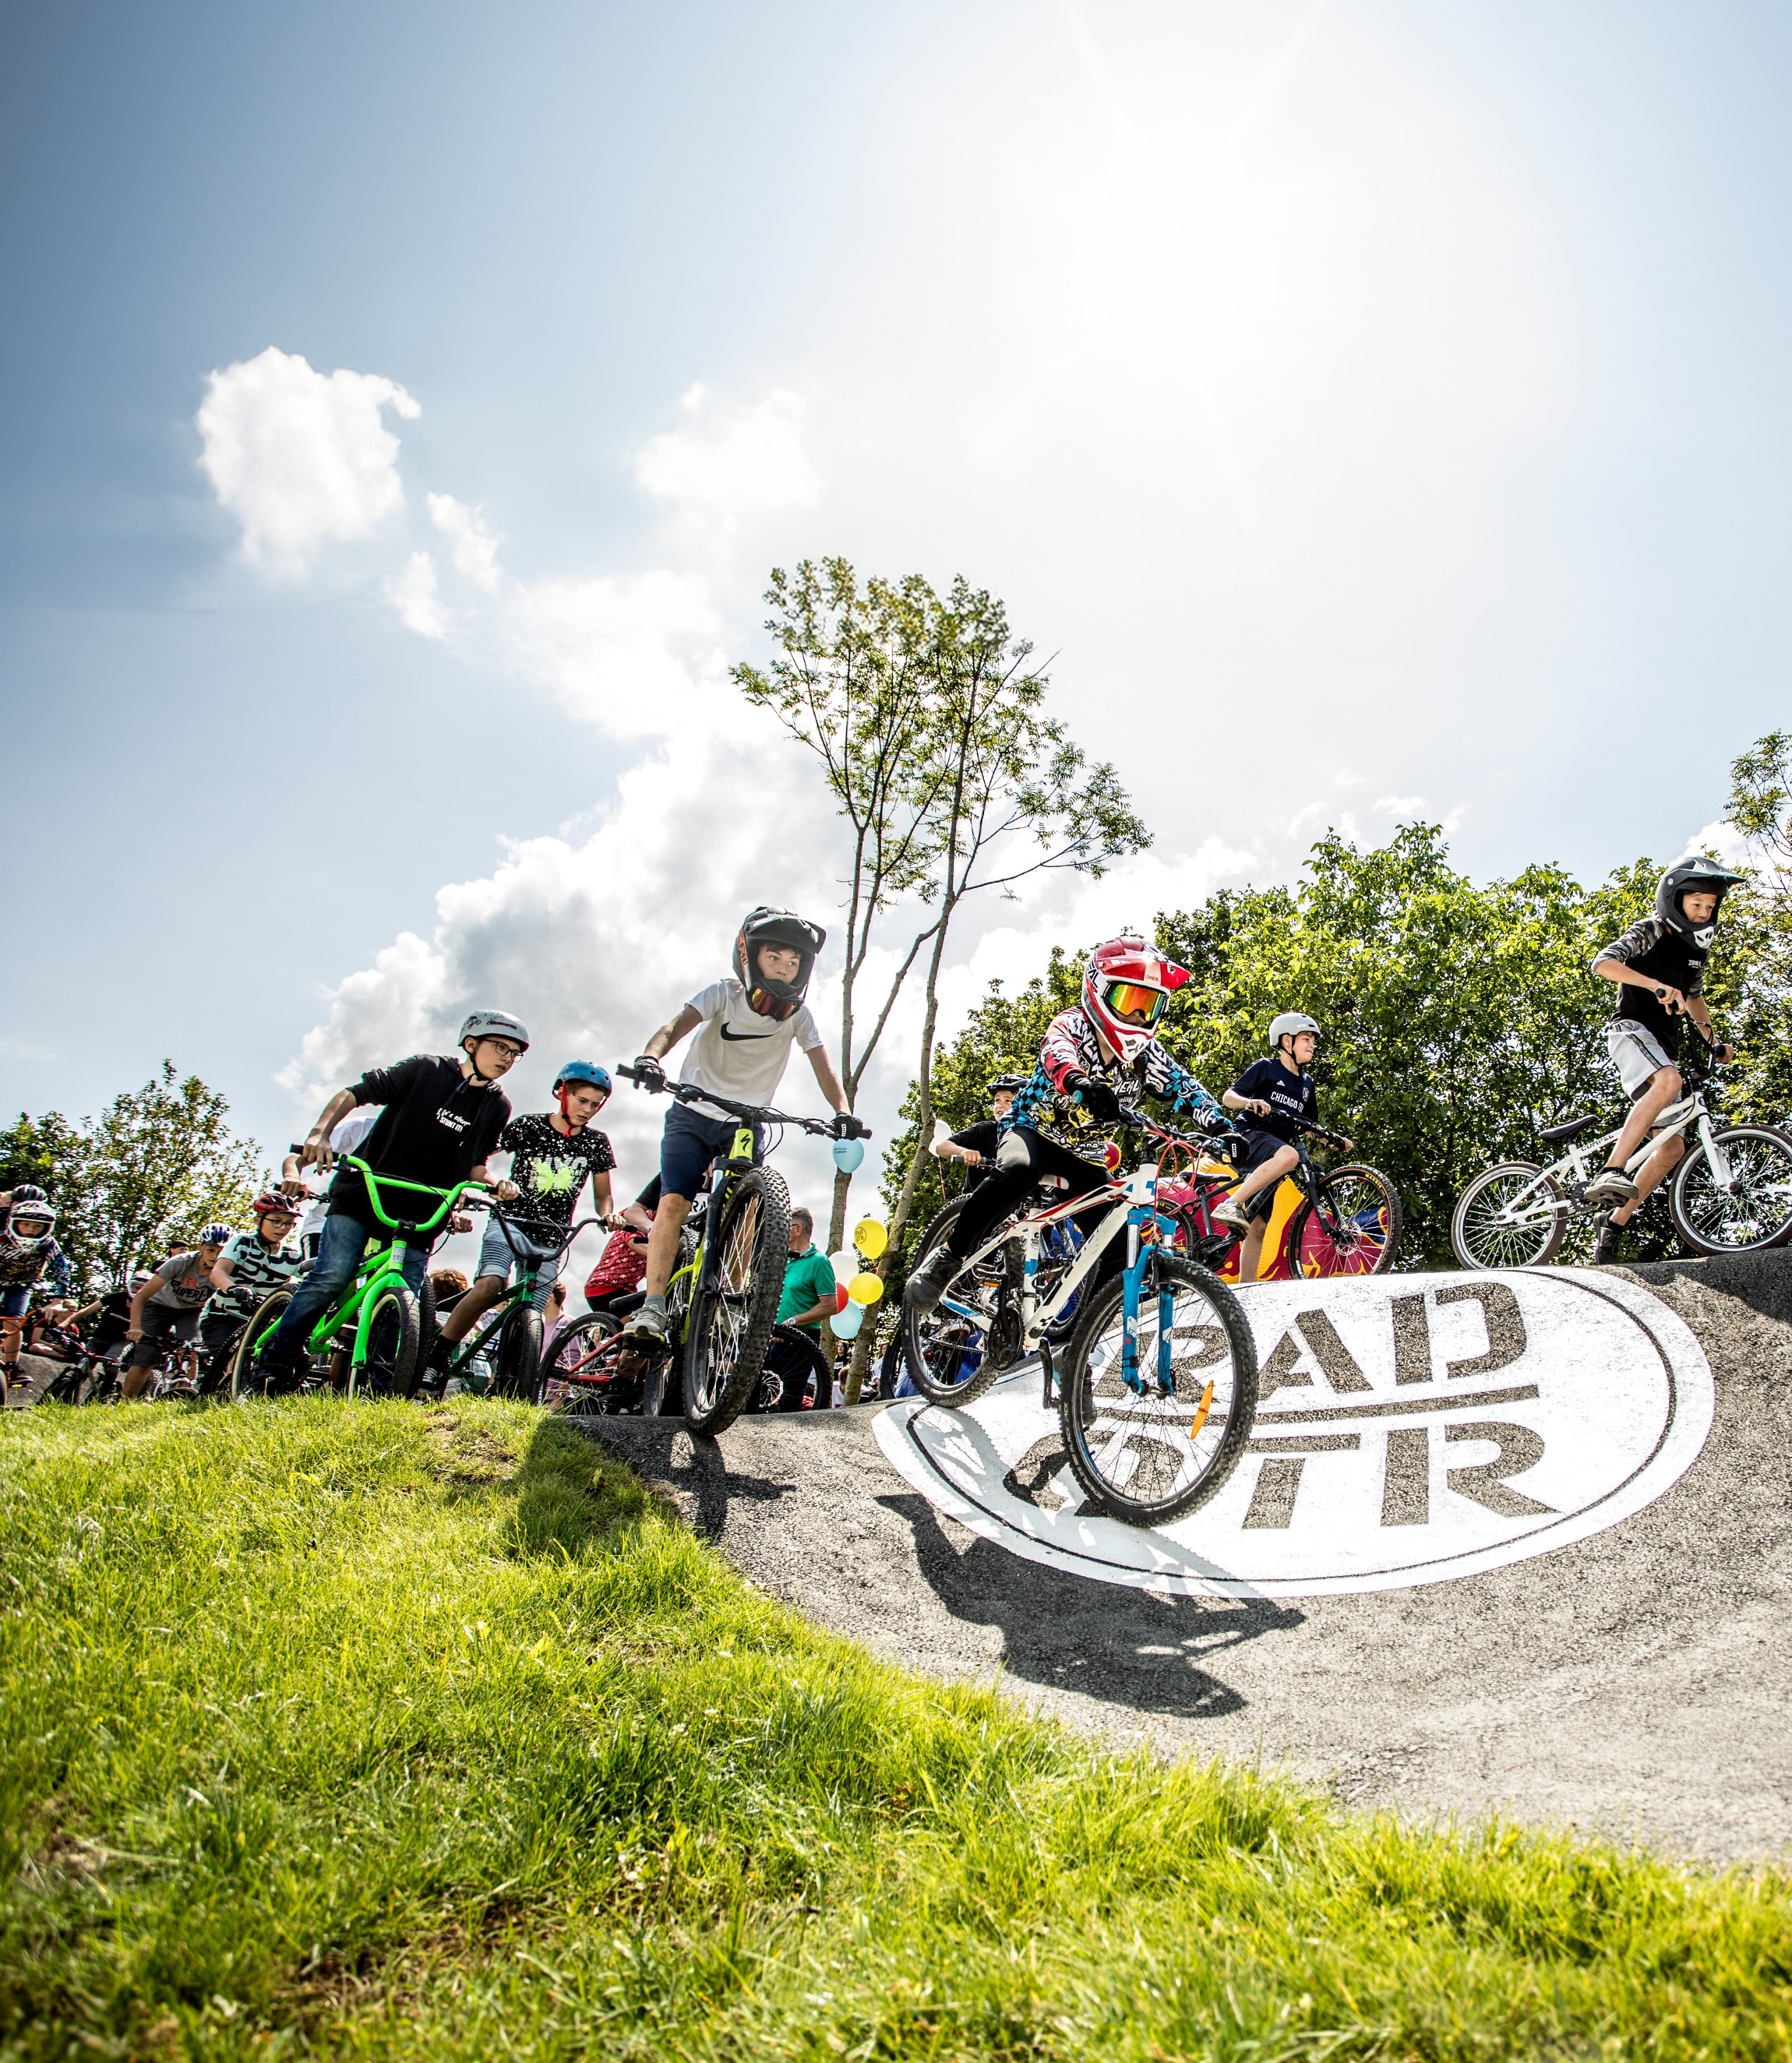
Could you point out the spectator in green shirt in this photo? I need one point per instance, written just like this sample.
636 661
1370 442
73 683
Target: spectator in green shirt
809 1296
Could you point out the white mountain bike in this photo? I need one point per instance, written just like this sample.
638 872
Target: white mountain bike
1732 1192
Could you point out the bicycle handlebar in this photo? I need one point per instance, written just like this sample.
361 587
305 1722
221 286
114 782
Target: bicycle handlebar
751 1113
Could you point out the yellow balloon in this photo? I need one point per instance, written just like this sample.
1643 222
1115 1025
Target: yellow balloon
871 1236
865 1288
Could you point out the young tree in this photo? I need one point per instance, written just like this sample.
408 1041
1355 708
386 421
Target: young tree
160 1163
1750 983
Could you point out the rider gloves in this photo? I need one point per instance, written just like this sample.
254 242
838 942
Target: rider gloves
847 1126
1096 1097
649 1074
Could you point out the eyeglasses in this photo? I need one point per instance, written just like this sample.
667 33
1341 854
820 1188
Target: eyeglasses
1136 1004
510 1052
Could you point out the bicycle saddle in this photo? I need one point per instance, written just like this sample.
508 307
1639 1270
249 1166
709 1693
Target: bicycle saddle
1571 1130
625 1306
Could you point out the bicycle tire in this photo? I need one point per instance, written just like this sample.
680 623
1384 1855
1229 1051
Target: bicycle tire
574 1346
1092 1397
1765 1213
930 1342
267 1314
390 1369
733 1313
519 1356
1308 1229
1476 1244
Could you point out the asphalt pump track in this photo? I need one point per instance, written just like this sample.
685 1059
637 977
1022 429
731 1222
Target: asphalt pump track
1517 1542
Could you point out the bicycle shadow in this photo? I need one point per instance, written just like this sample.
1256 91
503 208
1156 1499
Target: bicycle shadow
1138 1648
689 1466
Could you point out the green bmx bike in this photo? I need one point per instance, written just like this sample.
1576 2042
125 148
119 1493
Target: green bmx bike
501 1356
368 1341
722 1301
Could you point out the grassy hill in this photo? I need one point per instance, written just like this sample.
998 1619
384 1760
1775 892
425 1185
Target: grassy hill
386 1732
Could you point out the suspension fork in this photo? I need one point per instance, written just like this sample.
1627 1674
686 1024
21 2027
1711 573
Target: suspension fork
1140 1216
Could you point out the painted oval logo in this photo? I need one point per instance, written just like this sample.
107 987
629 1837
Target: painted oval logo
1410 1429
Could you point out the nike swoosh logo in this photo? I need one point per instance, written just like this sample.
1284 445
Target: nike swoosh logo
737 1035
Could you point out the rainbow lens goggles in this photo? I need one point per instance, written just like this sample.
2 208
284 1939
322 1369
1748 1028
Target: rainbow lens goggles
1134 1004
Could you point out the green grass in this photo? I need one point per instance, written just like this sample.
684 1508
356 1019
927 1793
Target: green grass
374 1732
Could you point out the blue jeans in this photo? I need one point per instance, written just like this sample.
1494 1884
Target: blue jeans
339 1254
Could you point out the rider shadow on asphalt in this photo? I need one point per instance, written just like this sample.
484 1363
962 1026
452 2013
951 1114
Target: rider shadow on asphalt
1141 1649
693 1466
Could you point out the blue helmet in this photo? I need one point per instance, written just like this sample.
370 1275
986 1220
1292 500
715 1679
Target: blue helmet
582 1071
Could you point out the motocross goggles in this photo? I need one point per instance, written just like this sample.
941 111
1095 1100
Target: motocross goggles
765 1005
1133 1003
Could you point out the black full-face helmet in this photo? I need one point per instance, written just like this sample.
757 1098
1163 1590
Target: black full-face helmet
766 927
1700 876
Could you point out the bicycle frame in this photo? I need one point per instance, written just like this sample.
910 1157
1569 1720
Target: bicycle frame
1576 1166
520 1292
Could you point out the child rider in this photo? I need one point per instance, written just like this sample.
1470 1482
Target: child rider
975 1145
552 1153
441 1116
28 1252
253 1266
749 1021
1279 1092
1659 967
1095 1061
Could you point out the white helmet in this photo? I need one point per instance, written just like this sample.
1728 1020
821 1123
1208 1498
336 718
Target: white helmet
1289 1022
493 1024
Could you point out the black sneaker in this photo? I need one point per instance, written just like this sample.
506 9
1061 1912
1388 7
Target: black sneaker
928 1284
1606 1247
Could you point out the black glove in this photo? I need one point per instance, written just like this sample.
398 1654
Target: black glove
649 1074
847 1126
1215 1123
1097 1098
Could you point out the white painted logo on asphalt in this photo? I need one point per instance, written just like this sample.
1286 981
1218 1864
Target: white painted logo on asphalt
1410 1429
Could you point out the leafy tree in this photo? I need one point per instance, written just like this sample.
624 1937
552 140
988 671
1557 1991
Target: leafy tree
1750 985
159 1163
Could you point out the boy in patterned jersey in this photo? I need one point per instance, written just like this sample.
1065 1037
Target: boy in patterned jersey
552 1154
251 1266
1096 1061
1659 967
28 1252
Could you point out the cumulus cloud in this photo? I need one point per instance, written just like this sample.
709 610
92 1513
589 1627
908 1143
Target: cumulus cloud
412 593
638 654
1726 842
717 476
301 458
474 548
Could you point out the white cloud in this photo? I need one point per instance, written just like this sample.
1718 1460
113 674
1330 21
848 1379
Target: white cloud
1726 841
412 593
717 478
475 547
301 458
638 654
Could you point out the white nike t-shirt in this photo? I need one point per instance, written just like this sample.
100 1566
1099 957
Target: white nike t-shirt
738 1053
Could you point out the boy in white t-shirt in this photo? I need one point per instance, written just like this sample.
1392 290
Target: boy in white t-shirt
746 1025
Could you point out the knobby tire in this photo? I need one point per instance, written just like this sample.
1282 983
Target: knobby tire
731 1321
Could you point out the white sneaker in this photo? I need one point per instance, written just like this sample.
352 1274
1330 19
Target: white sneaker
1228 1214
648 1325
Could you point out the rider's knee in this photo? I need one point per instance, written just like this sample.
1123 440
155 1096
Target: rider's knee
1667 1083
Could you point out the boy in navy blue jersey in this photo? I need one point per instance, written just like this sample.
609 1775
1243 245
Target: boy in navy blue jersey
1279 1094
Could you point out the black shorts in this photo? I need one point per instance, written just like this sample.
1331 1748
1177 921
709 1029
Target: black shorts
163 1326
1259 1146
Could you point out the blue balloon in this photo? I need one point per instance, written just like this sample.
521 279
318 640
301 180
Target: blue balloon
847 1154
846 1323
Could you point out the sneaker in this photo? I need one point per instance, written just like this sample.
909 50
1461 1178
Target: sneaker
1606 1247
1227 1213
648 1325
1610 1186
928 1284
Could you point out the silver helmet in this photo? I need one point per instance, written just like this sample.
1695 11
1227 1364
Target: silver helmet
1287 1024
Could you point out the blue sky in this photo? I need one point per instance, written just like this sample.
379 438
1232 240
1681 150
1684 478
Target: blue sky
1374 409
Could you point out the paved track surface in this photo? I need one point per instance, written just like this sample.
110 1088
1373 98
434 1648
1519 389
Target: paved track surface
1639 1681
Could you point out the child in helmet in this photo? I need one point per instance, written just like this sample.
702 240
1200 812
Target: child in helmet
1659 967
165 1310
250 1267
441 1116
975 1145
28 1252
552 1153
1279 1094
746 1025
1096 1062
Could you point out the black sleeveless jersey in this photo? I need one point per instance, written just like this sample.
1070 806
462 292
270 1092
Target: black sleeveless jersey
1656 950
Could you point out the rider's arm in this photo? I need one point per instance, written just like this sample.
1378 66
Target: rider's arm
669 1034
1233 1101
140 1300
504 1191
316 1151
1701 1016
221 1270
1612 962
829 1081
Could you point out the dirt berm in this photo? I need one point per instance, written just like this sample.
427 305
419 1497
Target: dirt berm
1637 1679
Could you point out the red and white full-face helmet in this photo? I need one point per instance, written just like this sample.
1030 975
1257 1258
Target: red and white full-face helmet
1125 986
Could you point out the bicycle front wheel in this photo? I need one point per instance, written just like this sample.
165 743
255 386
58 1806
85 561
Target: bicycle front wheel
951 1356
390 1369
244 1380
737 1300
1498 1224
1354 1230
519 1356
1147 1455
1753 1210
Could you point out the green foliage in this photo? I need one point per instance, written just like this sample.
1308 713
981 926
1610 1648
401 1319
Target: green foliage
1751 980
159 1163
385 1733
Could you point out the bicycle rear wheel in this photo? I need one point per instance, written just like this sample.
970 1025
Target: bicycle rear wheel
737 1300
1362 1235
390 1369
1750 1212
951 1355
1481 1235
1147 1458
